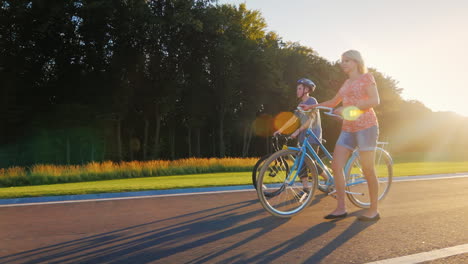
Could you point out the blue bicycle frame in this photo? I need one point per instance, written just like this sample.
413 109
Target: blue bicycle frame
305 149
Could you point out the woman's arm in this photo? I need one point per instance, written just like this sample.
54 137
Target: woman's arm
330 103
333 102
373 99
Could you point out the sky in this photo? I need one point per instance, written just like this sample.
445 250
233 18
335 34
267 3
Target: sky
421 44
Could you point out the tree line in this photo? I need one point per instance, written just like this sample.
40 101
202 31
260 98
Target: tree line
94 80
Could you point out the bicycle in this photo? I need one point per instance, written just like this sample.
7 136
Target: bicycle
273 169
292 188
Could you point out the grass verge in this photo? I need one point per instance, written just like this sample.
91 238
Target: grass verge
42 174
196 180
127 185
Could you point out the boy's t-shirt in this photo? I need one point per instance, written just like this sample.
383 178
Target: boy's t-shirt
316 125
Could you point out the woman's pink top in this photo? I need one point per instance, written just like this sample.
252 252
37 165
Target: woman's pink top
352 92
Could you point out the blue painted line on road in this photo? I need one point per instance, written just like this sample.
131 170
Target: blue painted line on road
155 193
80 197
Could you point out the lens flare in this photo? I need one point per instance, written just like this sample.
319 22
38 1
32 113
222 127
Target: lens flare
262 125
351 113
281 119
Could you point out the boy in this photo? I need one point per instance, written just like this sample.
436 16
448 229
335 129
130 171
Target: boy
304 87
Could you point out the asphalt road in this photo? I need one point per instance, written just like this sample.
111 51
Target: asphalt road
417 216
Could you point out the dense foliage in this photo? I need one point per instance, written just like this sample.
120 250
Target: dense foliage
95 80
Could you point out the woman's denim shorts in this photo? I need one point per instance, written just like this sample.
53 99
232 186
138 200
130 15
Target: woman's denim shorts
365 140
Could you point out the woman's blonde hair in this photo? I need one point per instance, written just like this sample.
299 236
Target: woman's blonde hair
356 56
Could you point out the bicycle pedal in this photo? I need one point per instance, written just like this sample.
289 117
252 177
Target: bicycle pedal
332 194
304 195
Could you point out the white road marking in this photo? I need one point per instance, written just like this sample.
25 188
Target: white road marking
408 178
426 256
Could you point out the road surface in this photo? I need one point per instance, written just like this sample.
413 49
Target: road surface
418 217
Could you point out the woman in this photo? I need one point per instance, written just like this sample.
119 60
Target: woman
360 130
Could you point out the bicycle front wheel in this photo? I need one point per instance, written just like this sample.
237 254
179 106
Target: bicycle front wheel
356 184
286 189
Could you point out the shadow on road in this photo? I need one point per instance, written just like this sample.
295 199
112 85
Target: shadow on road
355 228
156 240
273 253
199 237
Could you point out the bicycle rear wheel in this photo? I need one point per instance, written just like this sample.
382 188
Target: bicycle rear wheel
280 195
356 184
256 169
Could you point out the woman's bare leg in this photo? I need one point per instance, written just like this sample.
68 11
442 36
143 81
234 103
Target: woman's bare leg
367 159
340 157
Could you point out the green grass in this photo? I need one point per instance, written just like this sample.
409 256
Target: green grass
422 168
429 157
196 180
126 185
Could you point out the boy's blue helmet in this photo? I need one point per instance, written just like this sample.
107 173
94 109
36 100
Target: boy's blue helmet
306 82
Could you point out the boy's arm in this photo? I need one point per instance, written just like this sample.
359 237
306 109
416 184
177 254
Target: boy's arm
306 125
290 122
302 128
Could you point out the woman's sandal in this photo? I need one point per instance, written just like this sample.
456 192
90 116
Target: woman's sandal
369 219
332 216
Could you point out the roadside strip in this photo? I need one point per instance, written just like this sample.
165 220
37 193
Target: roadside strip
173 192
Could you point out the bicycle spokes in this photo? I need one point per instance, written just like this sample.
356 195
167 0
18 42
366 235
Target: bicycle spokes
356 184
292 187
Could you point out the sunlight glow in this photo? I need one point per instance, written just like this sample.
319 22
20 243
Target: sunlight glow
262 125
351 113
281 119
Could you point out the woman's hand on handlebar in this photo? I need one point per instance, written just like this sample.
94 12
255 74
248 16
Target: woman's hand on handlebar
277 133
338 111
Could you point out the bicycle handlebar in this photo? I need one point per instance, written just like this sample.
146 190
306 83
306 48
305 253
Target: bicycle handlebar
276 143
